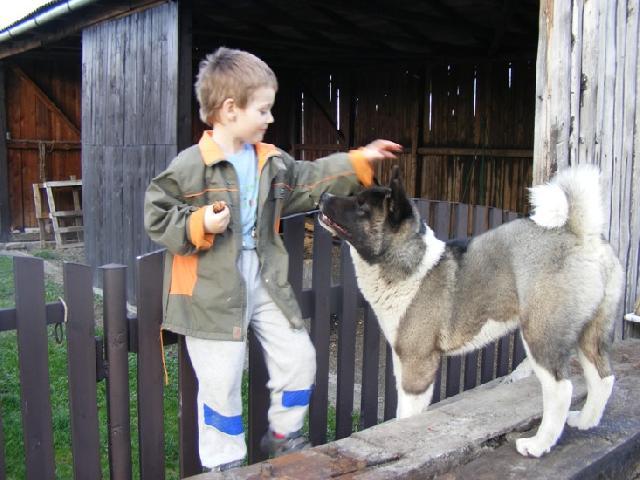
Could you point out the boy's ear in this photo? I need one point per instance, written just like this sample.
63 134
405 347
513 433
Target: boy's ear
228 110
399 204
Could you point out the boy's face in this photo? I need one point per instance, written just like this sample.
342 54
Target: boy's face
252 121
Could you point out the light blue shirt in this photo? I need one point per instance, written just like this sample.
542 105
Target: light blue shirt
246 165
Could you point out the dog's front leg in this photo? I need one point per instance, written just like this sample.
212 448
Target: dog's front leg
414 390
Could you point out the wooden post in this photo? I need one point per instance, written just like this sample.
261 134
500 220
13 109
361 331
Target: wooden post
185 73
553 82
5 210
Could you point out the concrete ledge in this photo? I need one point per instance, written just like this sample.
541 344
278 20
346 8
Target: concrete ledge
472 436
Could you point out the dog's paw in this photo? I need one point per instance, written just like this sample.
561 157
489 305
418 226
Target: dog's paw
577 419
532 447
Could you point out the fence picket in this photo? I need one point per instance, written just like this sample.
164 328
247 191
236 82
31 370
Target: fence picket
390 388
3 467
150 375
31 324
370 360
320 323
116 340
188 421
259 398
81 353
346 345
294 242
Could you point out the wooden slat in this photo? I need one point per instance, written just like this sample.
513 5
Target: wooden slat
54 312
259 399
519 352
5 209
477 152
370 356
34 367
390 388
116 339
188 420
67 213
3 467
150 373
81 352
346 345
70 229
321 280
294 242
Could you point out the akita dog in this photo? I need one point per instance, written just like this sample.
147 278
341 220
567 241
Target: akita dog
552 274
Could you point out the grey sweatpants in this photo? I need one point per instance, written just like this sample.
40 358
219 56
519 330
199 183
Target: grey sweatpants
291 362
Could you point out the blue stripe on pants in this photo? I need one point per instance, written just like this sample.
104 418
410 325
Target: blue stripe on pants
296 398
228 425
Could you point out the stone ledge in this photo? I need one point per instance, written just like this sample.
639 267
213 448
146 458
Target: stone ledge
472 436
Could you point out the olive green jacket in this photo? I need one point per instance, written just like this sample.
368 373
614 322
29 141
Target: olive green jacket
204 293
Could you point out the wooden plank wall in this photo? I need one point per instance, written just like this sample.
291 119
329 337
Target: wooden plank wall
484 110
588 86
129 127
43 104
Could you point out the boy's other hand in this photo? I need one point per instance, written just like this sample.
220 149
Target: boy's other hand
380 149
216 222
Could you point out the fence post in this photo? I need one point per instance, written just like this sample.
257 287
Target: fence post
346 345
116 339
33 361
321 280
187 386
150 375
3 467
258 398
81 368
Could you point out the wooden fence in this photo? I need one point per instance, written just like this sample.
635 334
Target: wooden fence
89 362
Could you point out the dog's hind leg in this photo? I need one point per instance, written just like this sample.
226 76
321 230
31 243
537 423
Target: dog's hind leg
415 386
556 400
593 353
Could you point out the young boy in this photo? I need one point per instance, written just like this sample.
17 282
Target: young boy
227 269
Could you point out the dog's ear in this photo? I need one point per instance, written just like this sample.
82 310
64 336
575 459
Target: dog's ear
399 204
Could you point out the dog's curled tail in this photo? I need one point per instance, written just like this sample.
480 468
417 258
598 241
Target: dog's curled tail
573 197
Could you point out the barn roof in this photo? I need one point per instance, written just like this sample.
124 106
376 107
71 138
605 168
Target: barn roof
317 31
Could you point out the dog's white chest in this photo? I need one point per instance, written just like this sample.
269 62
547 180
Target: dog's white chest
390 300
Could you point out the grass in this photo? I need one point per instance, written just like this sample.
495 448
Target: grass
10 412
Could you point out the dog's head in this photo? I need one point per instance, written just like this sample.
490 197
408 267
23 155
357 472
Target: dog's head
375 221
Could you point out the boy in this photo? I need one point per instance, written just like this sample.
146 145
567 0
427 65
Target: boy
227 269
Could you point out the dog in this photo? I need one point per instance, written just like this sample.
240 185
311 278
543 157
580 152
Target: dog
552 275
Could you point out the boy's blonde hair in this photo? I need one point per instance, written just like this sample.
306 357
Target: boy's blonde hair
229 73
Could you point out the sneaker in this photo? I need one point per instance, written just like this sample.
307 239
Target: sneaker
224 467
276 444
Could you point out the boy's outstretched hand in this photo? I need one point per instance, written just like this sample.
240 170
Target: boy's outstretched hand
380 149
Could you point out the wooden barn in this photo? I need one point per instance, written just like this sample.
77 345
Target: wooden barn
487 96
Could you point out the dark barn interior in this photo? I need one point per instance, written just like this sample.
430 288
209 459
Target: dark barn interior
112 101
452 81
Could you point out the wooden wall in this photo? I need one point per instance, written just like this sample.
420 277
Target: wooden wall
43 121
467 128
588 111
129 127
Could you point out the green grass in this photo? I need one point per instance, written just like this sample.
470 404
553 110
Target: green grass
10 412
59 394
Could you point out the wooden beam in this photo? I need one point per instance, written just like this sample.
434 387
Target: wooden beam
5 207
185 74
45 99
22 144
443 151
